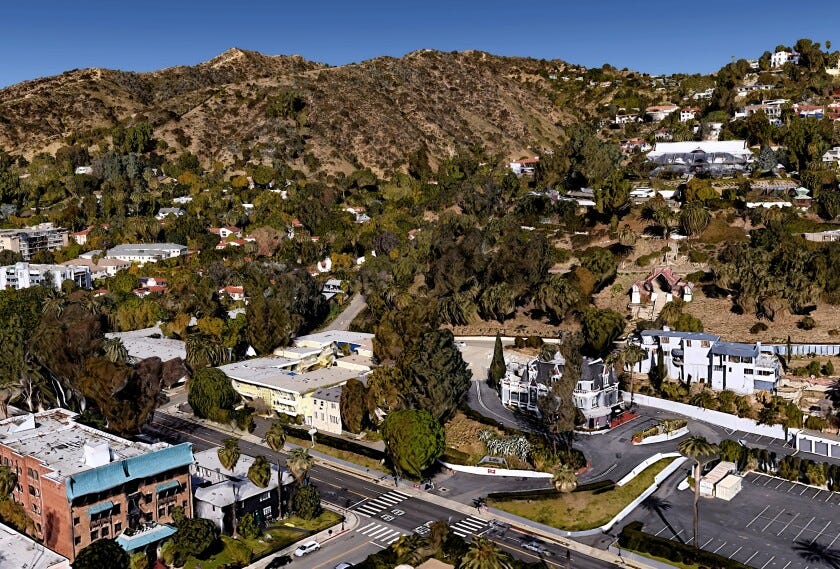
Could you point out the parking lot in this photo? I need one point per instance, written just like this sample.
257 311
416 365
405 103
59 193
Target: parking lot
770 524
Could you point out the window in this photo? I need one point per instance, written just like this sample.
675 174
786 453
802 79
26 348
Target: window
161 511
718 368
265 496
94 534
748 371
105 531
77 540
688 343
33 491
664 340
76 521
704 343
118 527
267 511
147 498
36 508
148 516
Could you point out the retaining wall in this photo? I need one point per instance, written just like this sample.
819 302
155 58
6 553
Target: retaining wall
804 349
725 420
489 471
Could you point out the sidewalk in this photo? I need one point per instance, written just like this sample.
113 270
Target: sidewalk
527 526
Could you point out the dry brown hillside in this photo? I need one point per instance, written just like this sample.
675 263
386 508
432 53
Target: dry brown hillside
372 113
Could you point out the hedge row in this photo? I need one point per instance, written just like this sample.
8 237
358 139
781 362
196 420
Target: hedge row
633 538
551 493
336 442
793 468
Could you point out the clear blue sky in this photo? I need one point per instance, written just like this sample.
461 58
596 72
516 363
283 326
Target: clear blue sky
51 36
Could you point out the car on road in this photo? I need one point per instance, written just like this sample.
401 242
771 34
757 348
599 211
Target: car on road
536 547
307 547
460 345
344 566
279 561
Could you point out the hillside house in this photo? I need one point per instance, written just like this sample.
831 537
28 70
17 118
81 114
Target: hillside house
524 166
660 112
717 158
689 114
643 291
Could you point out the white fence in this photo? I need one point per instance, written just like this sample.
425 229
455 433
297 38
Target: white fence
804 349
644 464
485 471
724 420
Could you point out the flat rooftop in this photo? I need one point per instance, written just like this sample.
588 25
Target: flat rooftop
58 441
274 373
20 551
339 336
142 344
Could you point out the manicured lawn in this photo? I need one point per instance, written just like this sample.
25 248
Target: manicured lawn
583 510
282 534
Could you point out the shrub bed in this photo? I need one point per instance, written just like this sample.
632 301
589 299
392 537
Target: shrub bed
633 538
336 442
661 428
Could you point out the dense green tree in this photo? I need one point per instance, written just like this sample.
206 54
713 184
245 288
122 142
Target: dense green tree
613 198
203 350
600 329
211 395
194 538
437 375
275 437
104 553
307 502
260 472
248 527
658 372
352 405
497 366
484 554
414 439
694 218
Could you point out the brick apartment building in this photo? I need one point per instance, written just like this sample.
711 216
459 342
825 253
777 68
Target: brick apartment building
79 484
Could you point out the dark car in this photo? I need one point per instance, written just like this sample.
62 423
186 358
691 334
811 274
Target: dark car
279 561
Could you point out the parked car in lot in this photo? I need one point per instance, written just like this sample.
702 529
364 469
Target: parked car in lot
279 561
307 547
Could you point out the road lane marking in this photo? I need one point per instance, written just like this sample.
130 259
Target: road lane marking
821 532
773 520
803 529
786 525
758 516
331 562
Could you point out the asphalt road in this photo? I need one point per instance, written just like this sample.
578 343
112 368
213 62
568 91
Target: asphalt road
384 513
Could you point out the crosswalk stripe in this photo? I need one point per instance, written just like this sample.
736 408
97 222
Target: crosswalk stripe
459 534
387 535
362 513
400 494
367 526
395 538
369 509
370 530
470 523
378 533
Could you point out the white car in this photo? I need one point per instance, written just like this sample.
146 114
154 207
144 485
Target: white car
307 547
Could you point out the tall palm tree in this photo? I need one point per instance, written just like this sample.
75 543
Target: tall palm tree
664 217
700 451
115 350
275 438
633 355
407 548
260 472
229 453
484 554
203 350
694 218
299 462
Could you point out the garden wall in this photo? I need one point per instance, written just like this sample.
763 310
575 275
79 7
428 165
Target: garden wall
805 349
485 471
725 420
644 464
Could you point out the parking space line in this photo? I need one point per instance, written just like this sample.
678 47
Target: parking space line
817 494
768 562
803 490
786 525
779 484
773 520
750 559
707 543
792 486
758 516
821 532
769 480
736 551
788 563
660 531
833 540
803 529
830 495
719 547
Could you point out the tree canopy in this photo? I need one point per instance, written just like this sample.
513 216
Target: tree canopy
414 439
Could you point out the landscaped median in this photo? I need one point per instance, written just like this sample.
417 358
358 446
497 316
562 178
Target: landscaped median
590 507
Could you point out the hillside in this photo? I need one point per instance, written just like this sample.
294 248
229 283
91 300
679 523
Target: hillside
372 113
